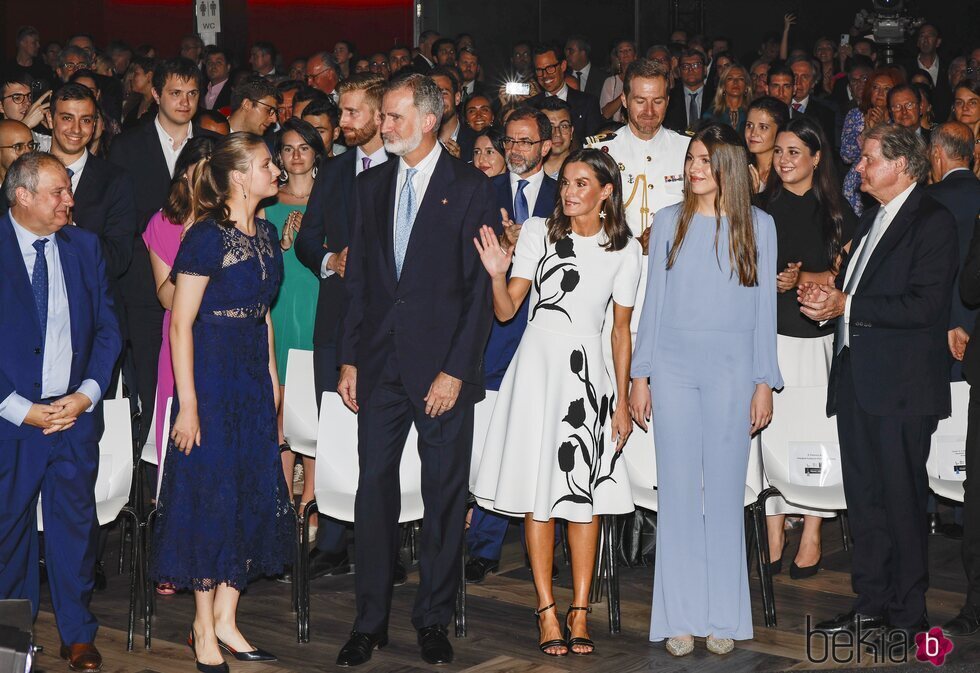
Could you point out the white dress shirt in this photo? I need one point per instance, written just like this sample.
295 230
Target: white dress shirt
378 157
802 103
561 93
584 79
420 181
76 168
698 96
891 209
933 70
167 142
531 191
57 356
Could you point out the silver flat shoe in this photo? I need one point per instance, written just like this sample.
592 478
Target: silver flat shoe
680 647
720 645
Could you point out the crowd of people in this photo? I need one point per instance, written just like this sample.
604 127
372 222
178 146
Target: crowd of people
659 245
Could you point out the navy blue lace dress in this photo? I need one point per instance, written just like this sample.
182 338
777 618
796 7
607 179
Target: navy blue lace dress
224 514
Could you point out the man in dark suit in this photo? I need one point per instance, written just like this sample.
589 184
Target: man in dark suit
889 382
217 67
454 134
58 344
905 109
321 246
147 154
550 68
957 188
417 321
690 97
523 191
578 56
804 103
469 68
425 61
928 39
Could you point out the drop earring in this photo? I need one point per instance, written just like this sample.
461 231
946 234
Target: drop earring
602 212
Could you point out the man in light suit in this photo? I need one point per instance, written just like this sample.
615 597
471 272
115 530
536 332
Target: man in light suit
59 339
417 321
889 382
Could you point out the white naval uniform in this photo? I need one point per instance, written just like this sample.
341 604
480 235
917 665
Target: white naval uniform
653 178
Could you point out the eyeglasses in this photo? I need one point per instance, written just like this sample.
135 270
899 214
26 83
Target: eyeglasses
17 98
548 69
313 76
272 111
72 67
20 148
908 107
523 144
691 66
564 128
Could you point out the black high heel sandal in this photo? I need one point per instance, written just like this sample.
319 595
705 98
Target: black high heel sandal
572 642
205 668
557 642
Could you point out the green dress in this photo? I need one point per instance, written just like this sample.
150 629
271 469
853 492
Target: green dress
294 309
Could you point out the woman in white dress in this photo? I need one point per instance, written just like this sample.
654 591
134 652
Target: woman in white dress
553 446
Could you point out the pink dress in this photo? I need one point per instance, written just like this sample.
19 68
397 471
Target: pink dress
163 237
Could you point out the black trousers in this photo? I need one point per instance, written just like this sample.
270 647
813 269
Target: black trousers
971 502
145 327
883 461
445 445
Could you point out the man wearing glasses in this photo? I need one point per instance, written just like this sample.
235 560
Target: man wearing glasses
690 96
549 69
15 139
563 137
905 109
323 74
70 59
16 104
255 106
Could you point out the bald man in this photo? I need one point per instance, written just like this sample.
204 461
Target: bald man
15 139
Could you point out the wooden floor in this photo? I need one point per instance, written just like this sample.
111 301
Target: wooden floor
502 635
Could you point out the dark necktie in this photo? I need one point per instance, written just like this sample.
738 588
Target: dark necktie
692 110
366 162
578 77
796 110
520 203
39 283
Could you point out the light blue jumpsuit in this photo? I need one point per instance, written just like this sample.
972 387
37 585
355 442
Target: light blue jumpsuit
704 341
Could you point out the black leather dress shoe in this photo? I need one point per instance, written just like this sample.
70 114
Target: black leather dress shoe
359 647
935 524
952 531
400 575
435 645
849 622
478 568
964 624
323 564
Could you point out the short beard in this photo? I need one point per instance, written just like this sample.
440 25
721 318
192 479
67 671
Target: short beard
526 165
404 146
357 137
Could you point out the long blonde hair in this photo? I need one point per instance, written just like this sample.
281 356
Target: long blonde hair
720 103
730 169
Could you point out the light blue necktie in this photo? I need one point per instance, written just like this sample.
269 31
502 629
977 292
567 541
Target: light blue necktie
520 203
870 241
404 220
39 283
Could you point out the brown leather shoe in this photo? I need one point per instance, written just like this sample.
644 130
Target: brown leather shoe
82 657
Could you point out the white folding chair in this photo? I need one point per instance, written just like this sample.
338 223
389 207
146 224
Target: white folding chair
946 465
149 454
299 416
112 485
481 425
335 487
801 460
149 457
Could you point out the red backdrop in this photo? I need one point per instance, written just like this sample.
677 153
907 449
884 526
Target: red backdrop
297 27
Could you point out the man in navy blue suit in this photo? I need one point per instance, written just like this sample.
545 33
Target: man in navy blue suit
416 323
523 191
59 338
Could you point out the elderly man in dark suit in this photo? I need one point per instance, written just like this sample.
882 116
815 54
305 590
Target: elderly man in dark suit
59 339
889 382
417 321
956 187
550 68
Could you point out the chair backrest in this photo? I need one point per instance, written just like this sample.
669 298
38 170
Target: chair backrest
641 465
753 478
299 415
337 468
166 442
946 465
481 425
801 452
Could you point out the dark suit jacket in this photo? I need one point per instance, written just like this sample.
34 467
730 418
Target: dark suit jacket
223 99
506 337
327 223
420 65
825 116
900 313
597 76
95 339
970 294
586 117
138 152
437 317
960 194
104 205
675 118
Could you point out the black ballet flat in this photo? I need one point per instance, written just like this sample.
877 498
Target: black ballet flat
254 655
572 642
557 642
205 668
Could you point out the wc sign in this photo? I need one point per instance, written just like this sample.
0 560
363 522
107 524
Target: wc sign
208 19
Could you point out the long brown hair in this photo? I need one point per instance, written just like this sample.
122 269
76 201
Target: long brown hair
730 169
231 153
614 224
181 201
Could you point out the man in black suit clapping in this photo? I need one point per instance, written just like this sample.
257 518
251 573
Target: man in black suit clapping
417 320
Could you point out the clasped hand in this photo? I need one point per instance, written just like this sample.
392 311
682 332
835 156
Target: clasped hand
58 416
821 302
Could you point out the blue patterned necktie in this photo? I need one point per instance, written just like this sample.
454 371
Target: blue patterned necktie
404 220
39 283
520 203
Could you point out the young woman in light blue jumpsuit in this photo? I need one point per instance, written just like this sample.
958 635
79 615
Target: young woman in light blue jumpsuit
707 343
